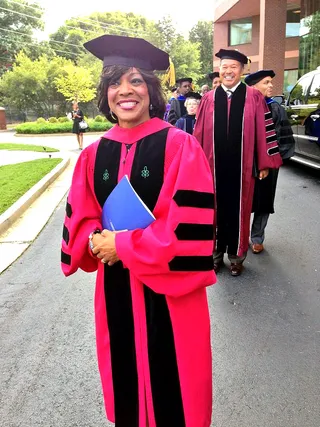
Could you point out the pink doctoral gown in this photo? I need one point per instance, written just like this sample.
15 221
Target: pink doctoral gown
151 312
239 140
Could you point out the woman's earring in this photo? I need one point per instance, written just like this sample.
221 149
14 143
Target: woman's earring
151 107
112 116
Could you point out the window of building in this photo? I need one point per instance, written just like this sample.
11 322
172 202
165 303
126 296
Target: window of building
290 79
240 31
293 23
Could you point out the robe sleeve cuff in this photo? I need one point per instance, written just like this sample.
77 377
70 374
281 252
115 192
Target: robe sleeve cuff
122 242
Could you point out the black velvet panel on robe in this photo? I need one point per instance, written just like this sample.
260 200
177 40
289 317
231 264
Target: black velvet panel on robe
147 179
228 166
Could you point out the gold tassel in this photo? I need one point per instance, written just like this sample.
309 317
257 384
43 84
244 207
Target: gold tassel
169 77
249 64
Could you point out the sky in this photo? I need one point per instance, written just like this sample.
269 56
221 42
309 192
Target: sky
185 16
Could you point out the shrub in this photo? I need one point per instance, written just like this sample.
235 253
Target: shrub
65 127
52 120
41 120
63 119
98 118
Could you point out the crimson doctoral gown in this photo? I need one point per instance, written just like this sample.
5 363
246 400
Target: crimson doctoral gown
238 139
151 312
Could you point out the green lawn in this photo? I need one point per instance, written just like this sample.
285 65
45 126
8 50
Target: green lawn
26 147
15 180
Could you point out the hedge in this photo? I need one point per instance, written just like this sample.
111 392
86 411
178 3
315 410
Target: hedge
66 127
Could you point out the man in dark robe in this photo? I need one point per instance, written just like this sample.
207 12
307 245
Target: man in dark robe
236 132
265 191
177 107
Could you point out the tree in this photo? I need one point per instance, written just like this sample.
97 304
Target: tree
184 53
185 56
30 85
79 30
17 22
166 34
76 83
202 33
310 45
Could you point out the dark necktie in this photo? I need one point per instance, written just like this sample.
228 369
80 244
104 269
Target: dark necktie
229 93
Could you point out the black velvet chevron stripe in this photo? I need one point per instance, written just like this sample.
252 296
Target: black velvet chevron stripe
194 199
191 263
270 127
65 258
272 151
65 234
68 210
271 138
268 115
194 231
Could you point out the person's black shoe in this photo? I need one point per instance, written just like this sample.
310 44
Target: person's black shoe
236 269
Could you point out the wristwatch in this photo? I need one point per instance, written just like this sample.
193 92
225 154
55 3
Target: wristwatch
95 231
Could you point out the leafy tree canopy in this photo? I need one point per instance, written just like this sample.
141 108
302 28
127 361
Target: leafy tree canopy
18 20
76 83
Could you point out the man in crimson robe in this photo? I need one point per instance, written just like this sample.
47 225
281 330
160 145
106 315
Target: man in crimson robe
236 132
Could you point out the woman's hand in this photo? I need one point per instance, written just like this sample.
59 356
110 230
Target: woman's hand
263 173
105 247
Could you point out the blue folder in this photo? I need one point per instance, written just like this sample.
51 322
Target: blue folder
124 209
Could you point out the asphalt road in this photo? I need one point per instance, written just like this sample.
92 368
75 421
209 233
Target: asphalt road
265 328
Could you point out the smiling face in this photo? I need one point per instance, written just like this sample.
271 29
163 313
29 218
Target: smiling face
129 100
265 86
230 72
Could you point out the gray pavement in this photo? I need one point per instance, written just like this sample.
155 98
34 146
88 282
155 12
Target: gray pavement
265 328
8 157
61 142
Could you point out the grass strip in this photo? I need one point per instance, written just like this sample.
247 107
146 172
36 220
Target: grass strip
17 179
26 147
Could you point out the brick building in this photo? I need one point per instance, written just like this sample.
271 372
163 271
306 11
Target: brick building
270 32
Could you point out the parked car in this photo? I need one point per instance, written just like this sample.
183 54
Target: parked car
303 109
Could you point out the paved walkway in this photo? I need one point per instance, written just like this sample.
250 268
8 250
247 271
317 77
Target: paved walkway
24 231
8 157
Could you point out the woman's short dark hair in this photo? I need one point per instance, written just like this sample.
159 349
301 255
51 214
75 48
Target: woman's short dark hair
114 73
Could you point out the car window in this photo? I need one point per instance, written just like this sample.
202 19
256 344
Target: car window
314 94
299 92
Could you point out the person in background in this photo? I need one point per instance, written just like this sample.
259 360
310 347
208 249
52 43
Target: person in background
265 190
174 95
204 89
215 78
177 108
235 129
77 117
151 310
187 121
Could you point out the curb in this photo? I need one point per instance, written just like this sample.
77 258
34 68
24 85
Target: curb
21 205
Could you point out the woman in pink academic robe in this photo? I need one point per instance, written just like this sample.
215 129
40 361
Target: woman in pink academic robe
151 311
